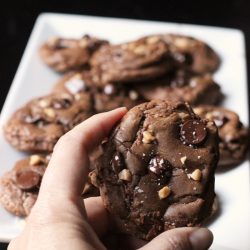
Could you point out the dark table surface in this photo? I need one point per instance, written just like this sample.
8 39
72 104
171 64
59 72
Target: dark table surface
17 19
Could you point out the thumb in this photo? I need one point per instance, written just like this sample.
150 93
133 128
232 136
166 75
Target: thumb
182 239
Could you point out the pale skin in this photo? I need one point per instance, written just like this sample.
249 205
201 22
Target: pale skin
60 218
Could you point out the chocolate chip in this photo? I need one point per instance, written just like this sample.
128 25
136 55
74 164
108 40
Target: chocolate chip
117 162
27 179
109 89
158 165
193 132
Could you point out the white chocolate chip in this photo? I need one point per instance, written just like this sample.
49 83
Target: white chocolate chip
183 159
125 175
43 103
140 50
153 39
133 95
196 175
209 116
147 137
35 159
182 115
50 112
164 192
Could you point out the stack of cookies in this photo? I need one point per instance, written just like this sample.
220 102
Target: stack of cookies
175 70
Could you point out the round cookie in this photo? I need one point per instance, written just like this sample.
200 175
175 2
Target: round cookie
233 136
104 98
19 187
41 122
192 54
131 62
63 54
157 170
182 86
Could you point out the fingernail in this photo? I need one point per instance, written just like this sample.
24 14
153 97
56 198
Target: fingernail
201 239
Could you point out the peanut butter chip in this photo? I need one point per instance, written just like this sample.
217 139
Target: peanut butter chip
43 103
196 175
125 175
147 137
193 132
27 179
50 112
164 192
35 160
133 95
140 50
183 159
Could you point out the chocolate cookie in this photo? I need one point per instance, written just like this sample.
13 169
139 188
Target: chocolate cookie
64 54
157 170
131 62
19 187
104 98
182 86
191 53
233 135
39 124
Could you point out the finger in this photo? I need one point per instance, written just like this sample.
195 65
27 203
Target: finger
182 239
68 167
98 216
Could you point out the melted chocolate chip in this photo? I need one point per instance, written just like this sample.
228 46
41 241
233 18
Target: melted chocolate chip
158 165
193 132
117 162
27 179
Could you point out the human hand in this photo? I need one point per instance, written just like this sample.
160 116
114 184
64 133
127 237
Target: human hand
60 218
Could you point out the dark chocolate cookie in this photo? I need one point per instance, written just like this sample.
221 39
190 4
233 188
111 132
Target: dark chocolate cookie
41 122
182 86
104 98
192 54
233 135
157 169
19 187
131 62
64 54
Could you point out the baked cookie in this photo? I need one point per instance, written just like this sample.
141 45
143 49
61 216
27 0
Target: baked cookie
191 53
41 122
63 54
233 136
182 86
19 187
131 62
104 98
157 170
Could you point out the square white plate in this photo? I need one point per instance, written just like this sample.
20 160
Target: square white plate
232 227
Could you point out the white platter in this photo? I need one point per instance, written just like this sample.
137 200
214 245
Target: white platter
232 227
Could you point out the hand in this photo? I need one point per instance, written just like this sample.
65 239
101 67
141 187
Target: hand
60 218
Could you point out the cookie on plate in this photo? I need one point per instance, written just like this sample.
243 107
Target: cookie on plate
192 54
104 98
157 169
63 54
131 62
19 187
41 122
233 136
182 86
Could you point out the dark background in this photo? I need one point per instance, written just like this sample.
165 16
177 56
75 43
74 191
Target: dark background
17 19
